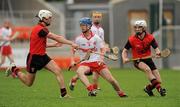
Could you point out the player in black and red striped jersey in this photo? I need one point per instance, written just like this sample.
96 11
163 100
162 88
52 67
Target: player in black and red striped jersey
140 44
37 57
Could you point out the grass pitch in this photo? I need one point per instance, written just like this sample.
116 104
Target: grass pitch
45 91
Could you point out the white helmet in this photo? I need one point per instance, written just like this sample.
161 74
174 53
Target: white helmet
44 13
140 23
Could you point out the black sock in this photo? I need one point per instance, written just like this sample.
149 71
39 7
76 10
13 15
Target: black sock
63 92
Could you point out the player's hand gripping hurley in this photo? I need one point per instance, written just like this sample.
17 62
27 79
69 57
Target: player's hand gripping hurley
164 53
113 54
86 57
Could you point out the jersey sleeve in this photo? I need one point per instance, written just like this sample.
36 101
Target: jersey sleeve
128 45
43 32
154 44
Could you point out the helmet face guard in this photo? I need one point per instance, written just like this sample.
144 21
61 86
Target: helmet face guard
140 27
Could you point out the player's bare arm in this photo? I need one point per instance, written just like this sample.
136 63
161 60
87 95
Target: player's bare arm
61 39
54 44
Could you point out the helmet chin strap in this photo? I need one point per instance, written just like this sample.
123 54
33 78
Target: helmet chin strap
87 29
47 24
140 33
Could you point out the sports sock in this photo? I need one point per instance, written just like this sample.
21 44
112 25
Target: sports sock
63 92
90 88
95 86
15 70
156 84
121 93
73 80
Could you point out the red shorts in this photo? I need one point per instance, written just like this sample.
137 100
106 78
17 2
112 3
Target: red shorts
6 50
94 66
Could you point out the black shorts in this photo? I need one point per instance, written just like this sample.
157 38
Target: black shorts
36 62
88 73
148 61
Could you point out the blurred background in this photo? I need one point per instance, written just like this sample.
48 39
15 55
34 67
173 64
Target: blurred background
118 16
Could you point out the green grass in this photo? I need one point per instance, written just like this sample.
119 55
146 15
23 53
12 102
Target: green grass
45 91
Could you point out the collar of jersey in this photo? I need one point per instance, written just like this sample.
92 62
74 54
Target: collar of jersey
89 37
41 24
97 26
143 38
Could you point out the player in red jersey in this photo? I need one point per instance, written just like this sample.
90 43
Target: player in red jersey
37 57
140 44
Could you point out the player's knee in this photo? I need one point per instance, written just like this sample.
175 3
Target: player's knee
80 72
57 71
148 70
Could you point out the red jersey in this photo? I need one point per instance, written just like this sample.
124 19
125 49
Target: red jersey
141 48
38 40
